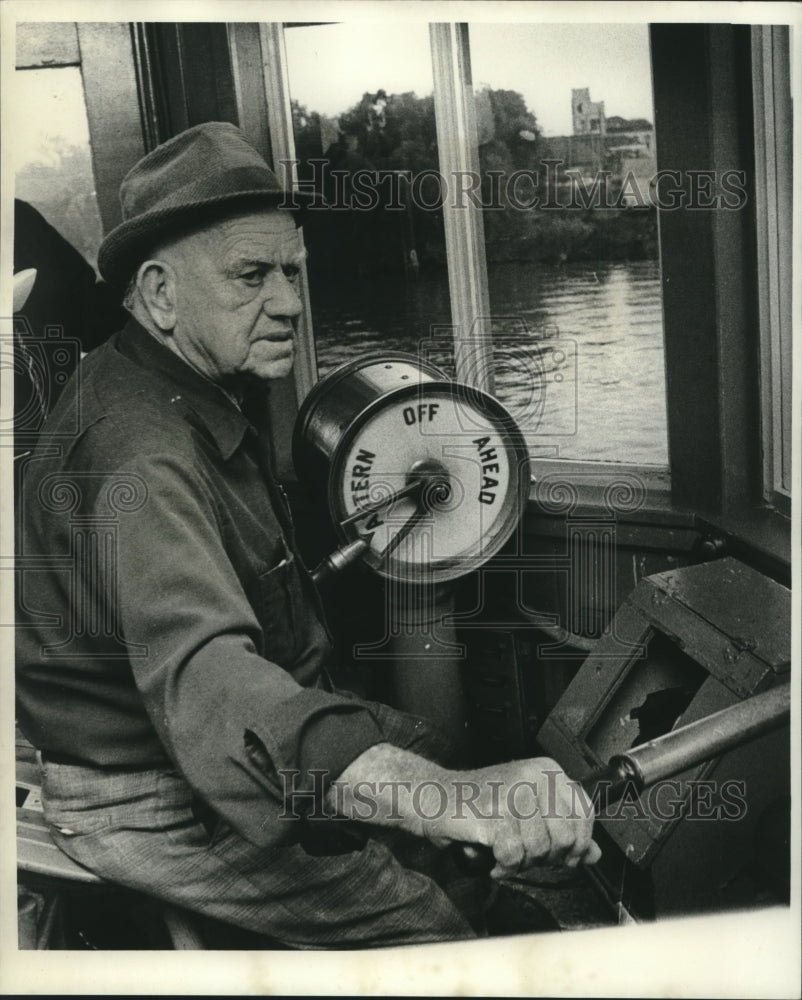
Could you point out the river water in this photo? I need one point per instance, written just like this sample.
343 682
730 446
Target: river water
578 348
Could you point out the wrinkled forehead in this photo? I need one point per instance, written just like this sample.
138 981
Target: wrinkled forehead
268 236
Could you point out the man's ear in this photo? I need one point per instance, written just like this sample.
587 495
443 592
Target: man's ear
156 283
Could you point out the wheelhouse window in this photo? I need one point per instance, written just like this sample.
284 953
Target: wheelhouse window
363 123
566 149
573 305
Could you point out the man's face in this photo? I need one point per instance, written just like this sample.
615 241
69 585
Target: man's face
236 296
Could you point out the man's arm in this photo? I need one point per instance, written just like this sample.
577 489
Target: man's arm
527 811
232 720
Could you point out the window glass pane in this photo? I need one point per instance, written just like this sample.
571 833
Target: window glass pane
51 154
566 151
363 119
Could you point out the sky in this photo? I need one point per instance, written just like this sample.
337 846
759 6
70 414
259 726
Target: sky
331 66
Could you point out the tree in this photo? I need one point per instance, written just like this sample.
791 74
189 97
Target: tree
512 142
515 127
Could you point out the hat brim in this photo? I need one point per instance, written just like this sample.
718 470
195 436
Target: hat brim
124 247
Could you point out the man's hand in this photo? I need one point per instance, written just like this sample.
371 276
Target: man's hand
528 811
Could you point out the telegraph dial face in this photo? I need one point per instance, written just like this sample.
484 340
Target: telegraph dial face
470 460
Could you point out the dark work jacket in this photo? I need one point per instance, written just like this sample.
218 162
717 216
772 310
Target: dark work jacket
165 618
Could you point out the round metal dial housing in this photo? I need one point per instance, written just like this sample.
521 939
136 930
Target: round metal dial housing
382 426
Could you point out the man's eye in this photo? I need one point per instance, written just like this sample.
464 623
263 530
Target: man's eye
253 278
291 271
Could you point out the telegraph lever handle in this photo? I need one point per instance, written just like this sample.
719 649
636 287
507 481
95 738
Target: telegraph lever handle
667 756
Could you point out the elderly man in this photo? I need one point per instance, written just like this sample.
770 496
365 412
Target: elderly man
172 651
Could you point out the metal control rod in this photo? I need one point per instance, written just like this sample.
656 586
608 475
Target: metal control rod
427 478
669 755
374 508
427 482
341 558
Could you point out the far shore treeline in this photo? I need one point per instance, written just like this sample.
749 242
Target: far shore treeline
384 140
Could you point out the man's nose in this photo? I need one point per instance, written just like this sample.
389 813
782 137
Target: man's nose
281 297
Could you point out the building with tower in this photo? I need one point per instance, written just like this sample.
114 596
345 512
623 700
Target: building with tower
588 116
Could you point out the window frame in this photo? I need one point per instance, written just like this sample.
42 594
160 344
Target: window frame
282 142
773 189
467 268
718 482
112 108
455 118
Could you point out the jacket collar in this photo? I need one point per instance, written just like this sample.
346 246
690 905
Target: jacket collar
210 404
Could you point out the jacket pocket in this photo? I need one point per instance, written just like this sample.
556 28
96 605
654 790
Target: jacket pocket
277 610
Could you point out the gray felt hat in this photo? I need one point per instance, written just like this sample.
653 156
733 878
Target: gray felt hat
180 184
